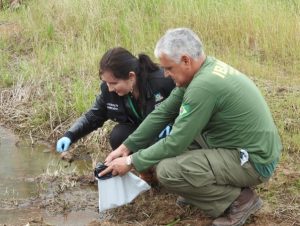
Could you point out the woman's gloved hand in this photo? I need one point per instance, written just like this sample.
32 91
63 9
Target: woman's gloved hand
165 132
63 144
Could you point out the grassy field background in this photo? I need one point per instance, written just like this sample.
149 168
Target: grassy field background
50 50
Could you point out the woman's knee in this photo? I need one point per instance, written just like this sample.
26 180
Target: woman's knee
120 133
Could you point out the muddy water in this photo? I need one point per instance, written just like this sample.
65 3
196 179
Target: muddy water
20 166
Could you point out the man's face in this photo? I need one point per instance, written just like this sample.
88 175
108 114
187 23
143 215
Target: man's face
119 86
179 72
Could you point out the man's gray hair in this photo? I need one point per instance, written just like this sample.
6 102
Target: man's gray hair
177 42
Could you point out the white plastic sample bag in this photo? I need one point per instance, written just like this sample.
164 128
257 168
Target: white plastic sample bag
119 190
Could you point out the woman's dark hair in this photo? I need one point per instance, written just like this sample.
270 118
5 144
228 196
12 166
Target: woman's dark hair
120 62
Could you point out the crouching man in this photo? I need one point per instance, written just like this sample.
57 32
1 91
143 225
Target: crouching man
223 141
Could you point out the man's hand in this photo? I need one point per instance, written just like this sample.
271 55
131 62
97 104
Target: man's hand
117 166
121 151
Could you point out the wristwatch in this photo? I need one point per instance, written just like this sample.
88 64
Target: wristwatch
129 160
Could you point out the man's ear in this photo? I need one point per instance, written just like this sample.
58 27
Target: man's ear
186 60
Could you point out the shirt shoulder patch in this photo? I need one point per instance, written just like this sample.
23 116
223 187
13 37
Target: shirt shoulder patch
184 109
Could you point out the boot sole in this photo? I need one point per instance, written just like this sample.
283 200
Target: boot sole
255 207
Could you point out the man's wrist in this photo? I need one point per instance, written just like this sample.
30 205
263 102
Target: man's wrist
129 160
124 150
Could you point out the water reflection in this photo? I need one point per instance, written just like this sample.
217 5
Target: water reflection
20 164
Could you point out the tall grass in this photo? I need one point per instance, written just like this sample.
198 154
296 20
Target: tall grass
57 44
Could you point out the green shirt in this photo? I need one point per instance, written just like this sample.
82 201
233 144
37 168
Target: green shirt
220 103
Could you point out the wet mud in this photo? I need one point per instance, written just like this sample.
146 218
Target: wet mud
41 187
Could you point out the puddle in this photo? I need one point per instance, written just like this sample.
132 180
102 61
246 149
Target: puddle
22 197
74 218
39 217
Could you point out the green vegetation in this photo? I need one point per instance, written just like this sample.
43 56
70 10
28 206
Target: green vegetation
50 52
57 44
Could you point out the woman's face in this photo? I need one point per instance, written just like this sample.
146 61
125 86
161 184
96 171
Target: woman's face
119 86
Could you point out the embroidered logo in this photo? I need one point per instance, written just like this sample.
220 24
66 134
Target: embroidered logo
111 106
158 97
184 109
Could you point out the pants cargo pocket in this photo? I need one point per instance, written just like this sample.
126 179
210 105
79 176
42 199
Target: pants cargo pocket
199 179
196 170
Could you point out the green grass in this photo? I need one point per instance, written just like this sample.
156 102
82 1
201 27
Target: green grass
50 51
56 45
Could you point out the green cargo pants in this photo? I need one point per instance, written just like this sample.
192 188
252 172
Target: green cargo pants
210 179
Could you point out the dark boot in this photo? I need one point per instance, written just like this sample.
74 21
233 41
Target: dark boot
246 204
182 202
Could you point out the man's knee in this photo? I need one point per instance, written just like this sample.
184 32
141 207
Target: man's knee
160 172
167 171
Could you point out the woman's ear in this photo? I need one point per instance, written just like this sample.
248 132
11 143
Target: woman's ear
132 75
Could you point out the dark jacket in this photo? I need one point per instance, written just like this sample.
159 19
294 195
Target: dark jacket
109 105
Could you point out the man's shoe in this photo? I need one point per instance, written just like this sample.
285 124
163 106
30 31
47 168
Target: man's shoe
246 204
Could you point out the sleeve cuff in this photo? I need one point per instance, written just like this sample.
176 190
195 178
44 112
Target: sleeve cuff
70 135
135 163
130 145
